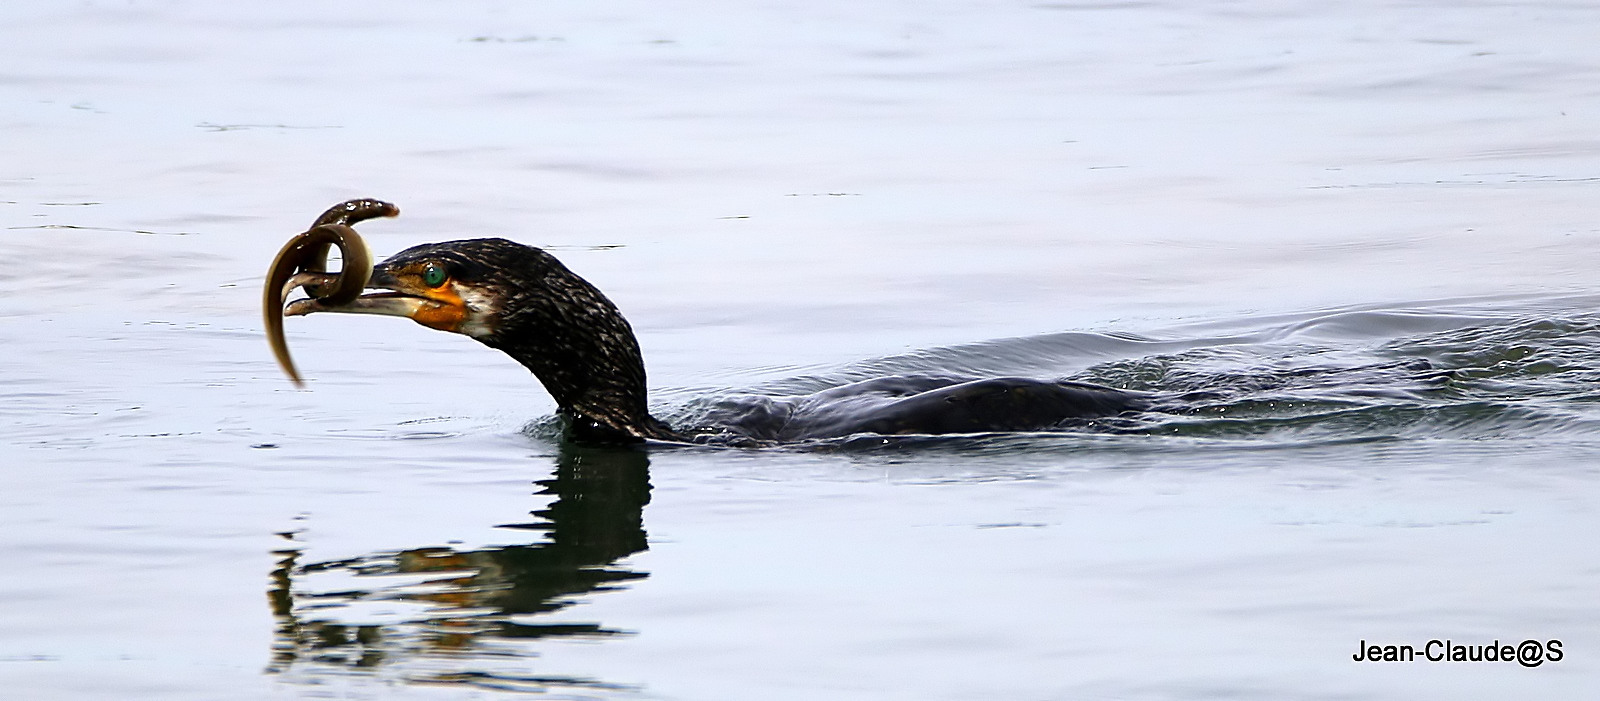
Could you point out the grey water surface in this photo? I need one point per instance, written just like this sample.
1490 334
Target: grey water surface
1359 236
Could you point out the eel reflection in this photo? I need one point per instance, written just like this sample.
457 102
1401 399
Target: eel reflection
475 605
522 301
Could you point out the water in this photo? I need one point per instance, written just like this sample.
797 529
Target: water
1364 226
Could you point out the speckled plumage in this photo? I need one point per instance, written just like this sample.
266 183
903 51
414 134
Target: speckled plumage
558 326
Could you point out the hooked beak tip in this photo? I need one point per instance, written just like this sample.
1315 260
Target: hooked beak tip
302 307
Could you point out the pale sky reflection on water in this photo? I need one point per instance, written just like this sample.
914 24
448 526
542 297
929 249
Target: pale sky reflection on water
771 191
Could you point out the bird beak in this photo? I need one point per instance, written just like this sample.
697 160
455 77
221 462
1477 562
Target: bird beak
392 301
440 309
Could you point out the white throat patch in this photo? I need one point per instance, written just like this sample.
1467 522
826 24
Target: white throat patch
481 312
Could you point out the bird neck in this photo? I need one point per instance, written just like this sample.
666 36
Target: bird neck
601 393
584 353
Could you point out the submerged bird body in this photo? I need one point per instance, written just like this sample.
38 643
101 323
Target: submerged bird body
916 405
522 301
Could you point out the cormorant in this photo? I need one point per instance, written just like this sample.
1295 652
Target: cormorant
522 301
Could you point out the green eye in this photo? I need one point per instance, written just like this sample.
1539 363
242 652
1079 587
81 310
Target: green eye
433 275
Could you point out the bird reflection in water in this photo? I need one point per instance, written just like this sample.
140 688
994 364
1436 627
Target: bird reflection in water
471 613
